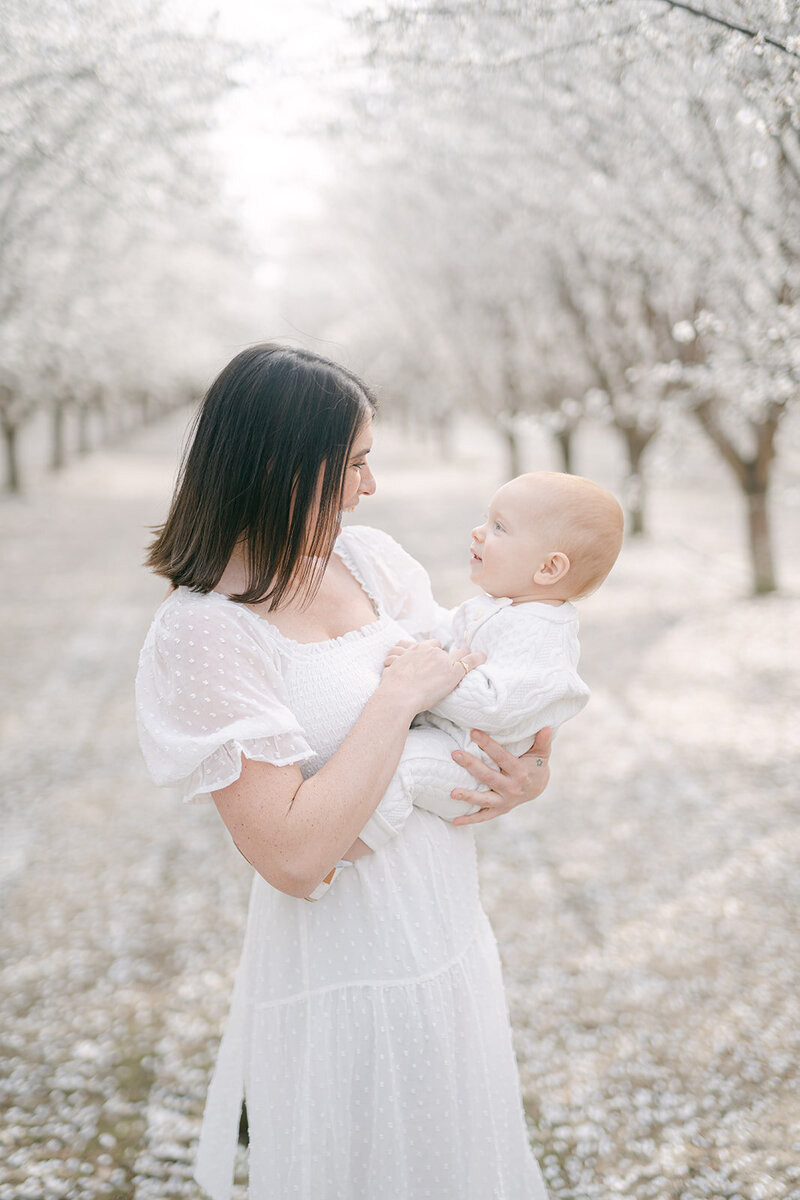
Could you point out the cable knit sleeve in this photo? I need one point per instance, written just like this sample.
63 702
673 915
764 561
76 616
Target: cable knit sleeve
398 584
208 690
529 679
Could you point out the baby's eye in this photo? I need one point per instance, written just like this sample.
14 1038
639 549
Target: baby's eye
497 525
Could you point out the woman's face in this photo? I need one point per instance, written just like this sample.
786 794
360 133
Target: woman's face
358 479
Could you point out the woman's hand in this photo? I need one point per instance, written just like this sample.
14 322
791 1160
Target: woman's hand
423 673
517 781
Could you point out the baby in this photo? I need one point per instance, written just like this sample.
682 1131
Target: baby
548 539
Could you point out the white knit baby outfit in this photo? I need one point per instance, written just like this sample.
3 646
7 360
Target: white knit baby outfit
369 1033
529 680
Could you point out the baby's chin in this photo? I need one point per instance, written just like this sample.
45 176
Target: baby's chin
489 589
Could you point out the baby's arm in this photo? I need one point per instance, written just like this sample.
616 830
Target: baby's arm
527 682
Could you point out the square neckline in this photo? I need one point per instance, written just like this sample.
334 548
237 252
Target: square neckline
350 566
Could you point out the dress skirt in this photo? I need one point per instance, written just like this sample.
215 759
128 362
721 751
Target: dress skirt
369 1033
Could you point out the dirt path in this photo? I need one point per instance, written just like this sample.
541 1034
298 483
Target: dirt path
646 908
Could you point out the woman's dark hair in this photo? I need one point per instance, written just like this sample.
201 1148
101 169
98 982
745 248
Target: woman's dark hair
274 423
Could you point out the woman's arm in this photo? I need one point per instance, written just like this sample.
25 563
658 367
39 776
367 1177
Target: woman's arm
293 830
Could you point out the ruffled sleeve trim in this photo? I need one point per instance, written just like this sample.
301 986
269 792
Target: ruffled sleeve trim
224 766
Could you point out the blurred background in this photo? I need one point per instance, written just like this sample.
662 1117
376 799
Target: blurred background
563 235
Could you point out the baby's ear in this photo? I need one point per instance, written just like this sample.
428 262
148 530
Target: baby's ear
553 569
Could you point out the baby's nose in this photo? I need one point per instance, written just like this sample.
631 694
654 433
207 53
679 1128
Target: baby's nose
477 533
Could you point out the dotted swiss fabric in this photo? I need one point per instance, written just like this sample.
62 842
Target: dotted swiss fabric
369 1030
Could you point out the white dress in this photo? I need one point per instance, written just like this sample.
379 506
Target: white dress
369 1033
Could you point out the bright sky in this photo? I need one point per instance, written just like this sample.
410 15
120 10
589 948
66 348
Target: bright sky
271 144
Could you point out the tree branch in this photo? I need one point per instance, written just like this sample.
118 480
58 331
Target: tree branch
704 411
713 19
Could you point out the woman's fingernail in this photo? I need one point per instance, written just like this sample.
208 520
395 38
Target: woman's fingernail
457 795
457 755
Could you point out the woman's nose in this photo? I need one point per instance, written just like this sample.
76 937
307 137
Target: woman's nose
368 484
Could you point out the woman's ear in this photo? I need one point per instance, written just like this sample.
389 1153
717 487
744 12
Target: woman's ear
553 569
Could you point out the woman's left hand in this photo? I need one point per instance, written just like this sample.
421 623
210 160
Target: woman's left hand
517 780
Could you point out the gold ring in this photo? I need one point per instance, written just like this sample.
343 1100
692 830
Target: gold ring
464 665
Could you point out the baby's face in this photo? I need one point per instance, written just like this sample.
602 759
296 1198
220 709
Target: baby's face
510 546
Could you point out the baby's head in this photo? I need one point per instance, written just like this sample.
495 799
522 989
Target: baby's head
547 536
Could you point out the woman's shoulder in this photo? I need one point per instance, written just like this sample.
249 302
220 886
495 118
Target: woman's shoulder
376 555
202 624
399 583
183 610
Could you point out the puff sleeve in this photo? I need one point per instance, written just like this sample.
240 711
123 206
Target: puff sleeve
397 583
208 690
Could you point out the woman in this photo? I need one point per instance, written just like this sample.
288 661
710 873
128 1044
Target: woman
369 1032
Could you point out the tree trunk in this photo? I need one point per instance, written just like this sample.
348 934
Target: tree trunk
106 426
758 528
120 417
58 452
564 440
13 477
84 441
443 430
513 450
634 502
753 476
636 442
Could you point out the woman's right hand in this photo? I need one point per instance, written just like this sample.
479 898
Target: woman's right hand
424 673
